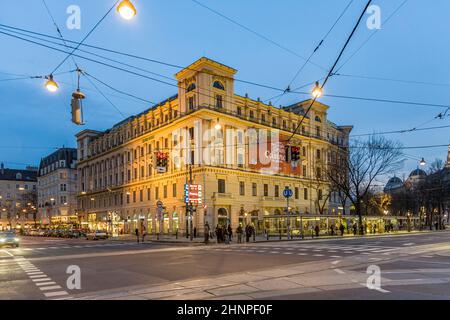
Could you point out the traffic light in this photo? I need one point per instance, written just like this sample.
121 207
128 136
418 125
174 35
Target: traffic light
77 107
295 153
288 154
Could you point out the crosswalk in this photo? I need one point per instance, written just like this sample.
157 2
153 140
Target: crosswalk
312 250
66 246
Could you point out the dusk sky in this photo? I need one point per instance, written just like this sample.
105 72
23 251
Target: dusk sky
412 46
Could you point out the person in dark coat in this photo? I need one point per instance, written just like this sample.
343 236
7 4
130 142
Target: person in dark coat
207 233
317 229
247 233
230 233
137 234
342 228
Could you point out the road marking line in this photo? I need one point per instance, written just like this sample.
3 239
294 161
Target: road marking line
318 255
302 254
41 280
55 294
275 252
38 276
34 273
287 253
335 262
50 288
336 256
39 284
65 298
339 271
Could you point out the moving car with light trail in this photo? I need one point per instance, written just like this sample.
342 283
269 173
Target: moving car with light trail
9 239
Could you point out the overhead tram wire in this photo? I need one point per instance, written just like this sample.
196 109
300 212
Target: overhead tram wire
58 30
257 34
379 100
3 26
84 39
319 45
94 54
332 68
371 35
150 78
278 89
104 96
117 90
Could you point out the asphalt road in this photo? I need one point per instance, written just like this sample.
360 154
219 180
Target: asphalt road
415 266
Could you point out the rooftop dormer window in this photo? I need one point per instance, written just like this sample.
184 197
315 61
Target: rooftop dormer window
191 87
19 176
218 85
318 119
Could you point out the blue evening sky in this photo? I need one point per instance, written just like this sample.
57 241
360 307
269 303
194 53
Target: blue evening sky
413 46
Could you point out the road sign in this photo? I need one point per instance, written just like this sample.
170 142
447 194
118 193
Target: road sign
193 193
287 193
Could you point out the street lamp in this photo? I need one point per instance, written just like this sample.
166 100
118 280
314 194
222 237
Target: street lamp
126 9
317 91
423 162
218 126
51 85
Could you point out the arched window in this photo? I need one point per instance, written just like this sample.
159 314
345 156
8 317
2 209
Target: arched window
19 176
218 85
318 119
191 87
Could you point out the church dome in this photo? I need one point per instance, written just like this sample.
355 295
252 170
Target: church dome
418 173
393 183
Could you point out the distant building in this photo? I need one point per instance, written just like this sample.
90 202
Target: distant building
57 188
17 198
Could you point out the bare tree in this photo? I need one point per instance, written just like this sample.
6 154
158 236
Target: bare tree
368 160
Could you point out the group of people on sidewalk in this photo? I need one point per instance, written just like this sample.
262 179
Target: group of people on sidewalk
224 234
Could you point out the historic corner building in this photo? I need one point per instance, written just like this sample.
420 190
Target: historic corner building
134 174
57 189
17 198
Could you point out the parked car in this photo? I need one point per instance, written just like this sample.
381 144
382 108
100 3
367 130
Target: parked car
76 234
97 235
32 232
41 232
9 239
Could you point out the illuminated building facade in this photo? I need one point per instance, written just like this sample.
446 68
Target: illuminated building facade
232 146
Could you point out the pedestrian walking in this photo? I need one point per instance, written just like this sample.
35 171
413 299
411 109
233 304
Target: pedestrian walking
253 230
342 229
137 234
230 232
355 229
317 229
239 233
207 233
195 232
247 233
144 233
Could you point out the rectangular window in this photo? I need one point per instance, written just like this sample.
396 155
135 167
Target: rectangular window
157 193
165 192
277 191
266 190
242 188
319 195
219 101
134 196
128 198
141 195
149 194
239 111
305 194
254 189
318 154
304 171
174 190
221 186
296 193
191 103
